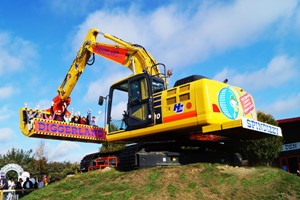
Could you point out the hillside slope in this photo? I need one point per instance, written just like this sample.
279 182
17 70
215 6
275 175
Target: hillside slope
197 181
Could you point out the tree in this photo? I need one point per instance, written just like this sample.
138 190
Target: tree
263 150
40 159
37 164
111 146
59 170
18 156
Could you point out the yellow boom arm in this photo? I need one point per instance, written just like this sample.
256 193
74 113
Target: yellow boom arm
133 56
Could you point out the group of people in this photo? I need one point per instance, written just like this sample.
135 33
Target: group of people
30 183
65 117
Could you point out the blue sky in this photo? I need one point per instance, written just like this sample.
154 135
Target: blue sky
254 44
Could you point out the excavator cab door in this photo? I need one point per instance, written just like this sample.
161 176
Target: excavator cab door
140 105
138 108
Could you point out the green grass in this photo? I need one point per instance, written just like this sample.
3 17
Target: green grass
198 181
172 190
154 176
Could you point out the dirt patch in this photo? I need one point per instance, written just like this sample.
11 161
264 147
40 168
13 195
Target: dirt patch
242 172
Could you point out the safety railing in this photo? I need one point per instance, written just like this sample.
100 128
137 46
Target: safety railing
104 162
14 194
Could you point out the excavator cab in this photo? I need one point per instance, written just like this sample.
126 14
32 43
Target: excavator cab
137 109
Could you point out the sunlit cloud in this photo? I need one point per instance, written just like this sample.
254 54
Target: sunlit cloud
6 113
101 87
44 104
6 92
6 134
285 104
62 150
178 37
16 53
281 69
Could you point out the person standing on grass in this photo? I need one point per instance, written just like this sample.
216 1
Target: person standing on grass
3 183
11 186
19 187
28 184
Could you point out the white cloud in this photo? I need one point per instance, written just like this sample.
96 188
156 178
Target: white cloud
297 21
6 134
15 53
62 151
6 92
281 69
101 86
183 38
69 151
118 110
44 104
286 104
5 113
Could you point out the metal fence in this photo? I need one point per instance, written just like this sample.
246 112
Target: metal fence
13 194
8 195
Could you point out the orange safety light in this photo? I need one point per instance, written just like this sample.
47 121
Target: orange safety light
169 73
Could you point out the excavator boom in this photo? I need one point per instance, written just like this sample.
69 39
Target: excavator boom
78 65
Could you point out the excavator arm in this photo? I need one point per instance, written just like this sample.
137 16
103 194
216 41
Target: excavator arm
78 65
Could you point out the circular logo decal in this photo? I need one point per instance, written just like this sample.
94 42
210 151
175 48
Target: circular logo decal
229 103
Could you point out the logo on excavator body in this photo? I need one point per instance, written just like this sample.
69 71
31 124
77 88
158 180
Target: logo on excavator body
178 108
229 103
235 104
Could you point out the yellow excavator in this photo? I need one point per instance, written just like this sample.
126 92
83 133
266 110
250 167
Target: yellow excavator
163 125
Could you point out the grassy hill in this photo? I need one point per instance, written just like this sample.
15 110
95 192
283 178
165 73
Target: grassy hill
197 181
